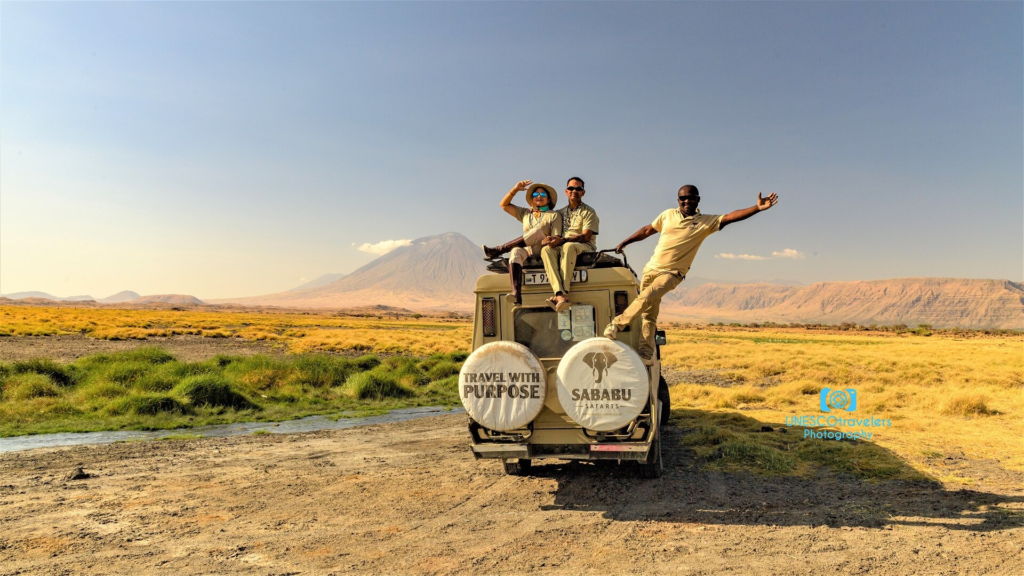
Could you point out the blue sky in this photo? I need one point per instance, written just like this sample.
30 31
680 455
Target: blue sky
228 149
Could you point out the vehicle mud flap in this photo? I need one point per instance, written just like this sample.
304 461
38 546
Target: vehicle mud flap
520 467
664 401
653 467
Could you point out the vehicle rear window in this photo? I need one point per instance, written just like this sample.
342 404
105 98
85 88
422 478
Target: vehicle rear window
550 334
537 329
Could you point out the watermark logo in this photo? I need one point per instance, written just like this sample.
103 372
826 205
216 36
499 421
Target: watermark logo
838 399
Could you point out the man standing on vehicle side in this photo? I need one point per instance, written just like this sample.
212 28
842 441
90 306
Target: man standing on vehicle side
579 226
682 232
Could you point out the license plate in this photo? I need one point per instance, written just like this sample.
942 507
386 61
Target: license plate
542 277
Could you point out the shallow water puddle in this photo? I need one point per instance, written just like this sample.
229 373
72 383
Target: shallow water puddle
307 424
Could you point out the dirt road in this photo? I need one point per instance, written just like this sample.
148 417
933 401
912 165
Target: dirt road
409 498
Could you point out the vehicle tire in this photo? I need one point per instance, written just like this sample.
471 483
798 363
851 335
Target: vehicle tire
652 469
520 467
664 402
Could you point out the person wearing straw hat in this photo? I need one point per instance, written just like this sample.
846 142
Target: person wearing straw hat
579 227
541 224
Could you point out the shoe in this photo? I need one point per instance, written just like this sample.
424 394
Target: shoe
497 251
515 278
563 304
611 331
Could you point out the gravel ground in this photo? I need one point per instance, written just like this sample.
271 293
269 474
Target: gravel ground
409 498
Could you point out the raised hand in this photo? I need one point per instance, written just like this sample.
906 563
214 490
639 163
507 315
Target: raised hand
522 185
766 203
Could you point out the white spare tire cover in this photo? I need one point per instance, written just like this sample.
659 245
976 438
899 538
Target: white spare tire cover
503 386
602 384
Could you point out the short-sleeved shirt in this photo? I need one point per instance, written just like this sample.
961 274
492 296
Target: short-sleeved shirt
574 222
680 238
549 222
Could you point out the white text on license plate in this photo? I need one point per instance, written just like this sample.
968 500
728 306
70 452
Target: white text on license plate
542 277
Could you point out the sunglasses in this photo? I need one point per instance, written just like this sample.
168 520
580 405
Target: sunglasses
682 198
574 189
540 195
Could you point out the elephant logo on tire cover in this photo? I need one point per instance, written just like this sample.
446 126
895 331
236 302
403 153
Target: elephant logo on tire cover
599 362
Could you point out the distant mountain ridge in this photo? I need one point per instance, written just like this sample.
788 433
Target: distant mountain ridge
321 281
939 302
432 273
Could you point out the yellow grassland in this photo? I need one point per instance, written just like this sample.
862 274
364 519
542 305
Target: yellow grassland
948 396
298 332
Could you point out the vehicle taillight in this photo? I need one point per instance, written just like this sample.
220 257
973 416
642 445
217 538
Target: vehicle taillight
621 303
489 311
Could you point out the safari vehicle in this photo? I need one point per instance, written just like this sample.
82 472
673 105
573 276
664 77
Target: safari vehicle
544 384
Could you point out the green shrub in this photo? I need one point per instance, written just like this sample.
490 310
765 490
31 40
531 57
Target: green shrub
258 372
763 458
100 389
212 390
366 362
376 385
29 385
146 355
125 371
458 356
58 374
446 388
443 370
321 370
157 381
147 405
181 370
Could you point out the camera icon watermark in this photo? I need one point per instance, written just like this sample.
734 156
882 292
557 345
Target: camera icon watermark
838 399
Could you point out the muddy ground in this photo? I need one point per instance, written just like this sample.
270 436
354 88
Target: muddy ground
410 498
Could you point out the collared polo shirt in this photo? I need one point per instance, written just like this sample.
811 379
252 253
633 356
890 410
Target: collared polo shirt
549 222
680 238
574 222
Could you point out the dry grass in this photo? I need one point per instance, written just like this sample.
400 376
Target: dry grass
299 332
945 395
958 395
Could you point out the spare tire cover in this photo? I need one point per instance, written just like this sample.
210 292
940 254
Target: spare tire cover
602 384
503 386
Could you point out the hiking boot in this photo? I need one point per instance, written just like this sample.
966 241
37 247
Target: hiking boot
497 251
515 279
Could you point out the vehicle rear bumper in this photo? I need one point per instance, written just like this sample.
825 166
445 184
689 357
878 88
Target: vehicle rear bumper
602 451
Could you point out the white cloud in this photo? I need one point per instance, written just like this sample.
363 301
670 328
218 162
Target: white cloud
787 253
382 247
730 256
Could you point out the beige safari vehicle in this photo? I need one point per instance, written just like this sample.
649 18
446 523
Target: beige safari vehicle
543 384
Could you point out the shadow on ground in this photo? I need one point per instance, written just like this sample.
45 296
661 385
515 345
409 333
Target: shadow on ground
692 490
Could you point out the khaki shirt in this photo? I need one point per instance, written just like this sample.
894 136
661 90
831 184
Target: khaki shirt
549 222
574 222
680 238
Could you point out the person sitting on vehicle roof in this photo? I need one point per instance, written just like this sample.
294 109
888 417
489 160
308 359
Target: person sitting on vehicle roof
682 232
541 225
579 226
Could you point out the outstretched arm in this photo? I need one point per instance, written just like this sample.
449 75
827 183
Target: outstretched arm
506 202
641 234
738 215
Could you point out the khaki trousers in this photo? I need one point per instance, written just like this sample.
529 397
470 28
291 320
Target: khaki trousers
519 255
560 262
653 286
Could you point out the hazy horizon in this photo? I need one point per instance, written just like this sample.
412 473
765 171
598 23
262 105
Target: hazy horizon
239 149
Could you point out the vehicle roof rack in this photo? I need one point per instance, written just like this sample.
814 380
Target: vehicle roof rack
585 261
